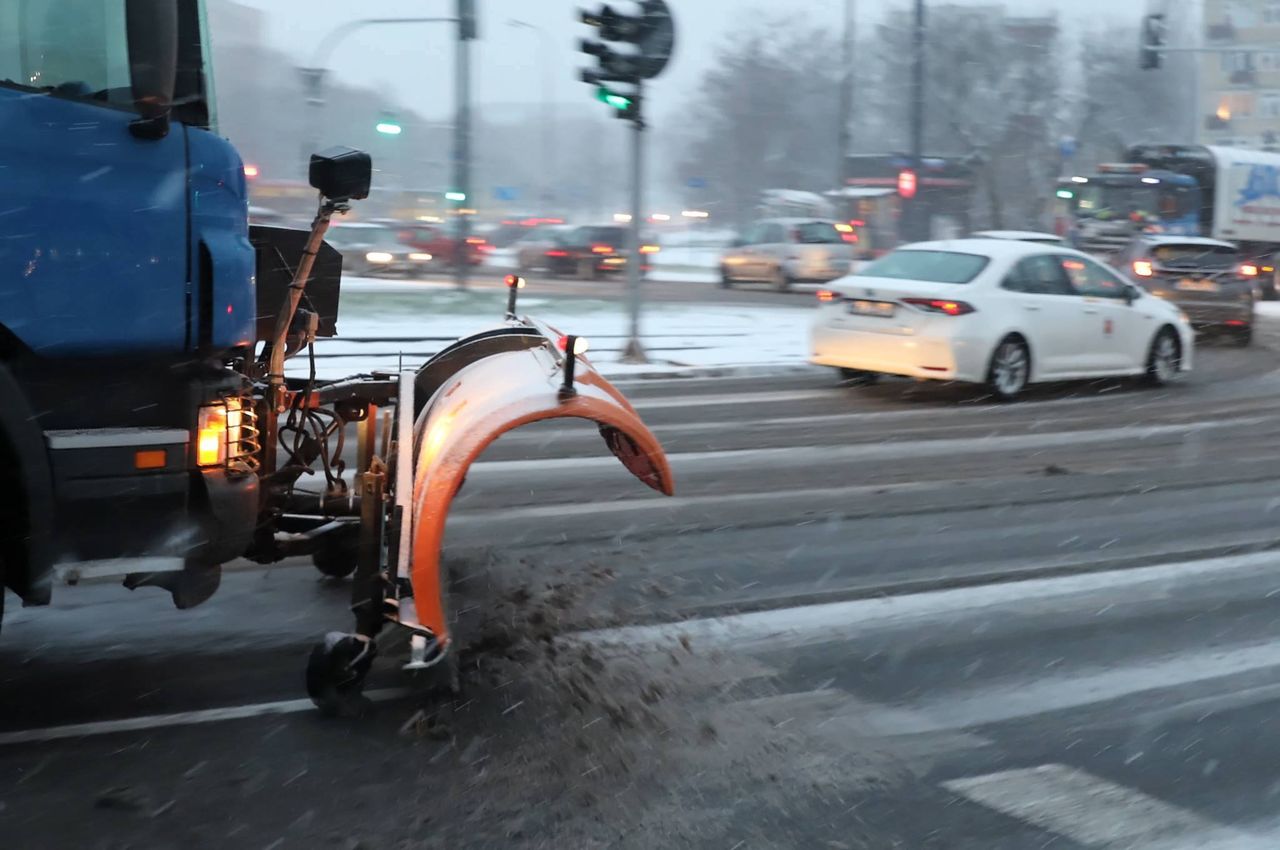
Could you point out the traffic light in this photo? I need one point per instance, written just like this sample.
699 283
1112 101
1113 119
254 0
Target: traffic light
907 184
644 45
389 125
1153 32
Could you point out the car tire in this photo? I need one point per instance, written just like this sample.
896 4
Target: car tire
1010 369
1243 336
1164 358
586 269
726 282
781 280
857 377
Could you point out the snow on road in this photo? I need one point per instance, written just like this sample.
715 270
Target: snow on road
416 321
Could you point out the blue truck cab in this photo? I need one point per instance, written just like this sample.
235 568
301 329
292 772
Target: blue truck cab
127 295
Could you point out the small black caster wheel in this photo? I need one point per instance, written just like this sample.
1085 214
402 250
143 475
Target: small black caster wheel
336 672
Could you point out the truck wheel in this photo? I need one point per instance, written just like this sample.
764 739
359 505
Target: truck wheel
337 557
725 280
781 280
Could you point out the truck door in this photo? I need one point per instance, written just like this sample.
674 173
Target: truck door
94 248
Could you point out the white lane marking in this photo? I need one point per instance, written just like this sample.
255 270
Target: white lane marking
183 718
1097 813
803 625
888 450
1078 688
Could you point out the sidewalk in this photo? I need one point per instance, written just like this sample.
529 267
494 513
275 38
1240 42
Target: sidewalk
379 329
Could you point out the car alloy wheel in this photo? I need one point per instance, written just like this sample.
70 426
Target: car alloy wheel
1010 369
1165 359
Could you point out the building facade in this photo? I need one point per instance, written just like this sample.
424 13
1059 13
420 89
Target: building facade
1239 91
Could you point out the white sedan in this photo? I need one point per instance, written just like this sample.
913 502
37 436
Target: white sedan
998 312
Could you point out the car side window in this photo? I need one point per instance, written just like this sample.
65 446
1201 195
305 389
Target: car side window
1092 280
774 234
1039 275
751 236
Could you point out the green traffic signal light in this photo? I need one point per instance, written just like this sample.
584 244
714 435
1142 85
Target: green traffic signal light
389 128
618 101
458 197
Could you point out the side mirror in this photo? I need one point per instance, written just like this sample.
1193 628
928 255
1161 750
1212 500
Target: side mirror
152 28
1131 294
341 173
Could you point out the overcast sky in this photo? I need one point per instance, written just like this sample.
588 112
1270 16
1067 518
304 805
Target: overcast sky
416 62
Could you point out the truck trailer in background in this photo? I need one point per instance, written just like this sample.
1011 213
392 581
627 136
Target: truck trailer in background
1223 193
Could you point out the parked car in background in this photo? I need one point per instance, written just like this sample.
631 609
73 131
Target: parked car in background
593 251
441 242
531 250
1021 236
1208 278
373 250
785 251
998 312
511 231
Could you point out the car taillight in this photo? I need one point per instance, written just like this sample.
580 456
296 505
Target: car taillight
940 305
602 249
1142 268
826 295
649 249
555 252
1248 270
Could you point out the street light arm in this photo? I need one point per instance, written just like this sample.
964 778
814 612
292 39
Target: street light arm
335 36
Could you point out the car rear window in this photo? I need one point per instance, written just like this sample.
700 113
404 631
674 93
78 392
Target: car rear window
1196 256
817 233
931 266
607 235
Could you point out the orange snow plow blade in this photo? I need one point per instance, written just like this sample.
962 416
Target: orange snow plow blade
476 406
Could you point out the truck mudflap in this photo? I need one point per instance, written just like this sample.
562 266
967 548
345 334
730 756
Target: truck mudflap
475 406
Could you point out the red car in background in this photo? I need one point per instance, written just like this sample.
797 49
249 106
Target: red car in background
441 242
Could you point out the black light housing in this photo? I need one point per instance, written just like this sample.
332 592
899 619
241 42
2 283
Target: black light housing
341 173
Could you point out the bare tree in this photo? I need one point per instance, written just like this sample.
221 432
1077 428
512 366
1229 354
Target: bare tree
765 116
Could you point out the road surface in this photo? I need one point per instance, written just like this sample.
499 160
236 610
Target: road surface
900 616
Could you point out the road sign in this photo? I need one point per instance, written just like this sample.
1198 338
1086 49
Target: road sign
696 183
506 193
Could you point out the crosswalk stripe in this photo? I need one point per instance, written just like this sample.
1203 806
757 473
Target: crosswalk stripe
1097 813
888 450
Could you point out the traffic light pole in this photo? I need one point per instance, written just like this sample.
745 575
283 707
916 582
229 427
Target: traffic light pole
462 157
634 352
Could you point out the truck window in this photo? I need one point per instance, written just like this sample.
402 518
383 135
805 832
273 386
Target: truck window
71 48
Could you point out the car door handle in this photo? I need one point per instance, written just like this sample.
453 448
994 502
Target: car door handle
1091 310
1031 308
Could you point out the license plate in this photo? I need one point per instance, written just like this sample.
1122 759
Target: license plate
882 309
1191 285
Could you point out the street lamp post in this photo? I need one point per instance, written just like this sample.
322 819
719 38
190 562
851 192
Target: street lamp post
314 79
548 128
915 224
846 91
